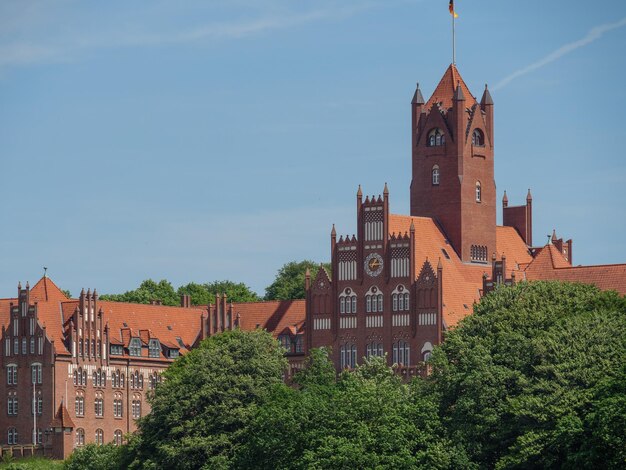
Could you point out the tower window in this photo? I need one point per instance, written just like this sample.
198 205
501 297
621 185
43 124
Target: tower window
478 138
435 175
478 191
436 138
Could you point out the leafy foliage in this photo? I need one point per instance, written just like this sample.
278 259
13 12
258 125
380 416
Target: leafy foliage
517 379
94 457
203 294
201 411
148 291
289 281
364 419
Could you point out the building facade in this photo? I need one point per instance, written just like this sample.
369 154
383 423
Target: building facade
77 371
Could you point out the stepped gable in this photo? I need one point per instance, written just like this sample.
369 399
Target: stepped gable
444 93
550 264
273 316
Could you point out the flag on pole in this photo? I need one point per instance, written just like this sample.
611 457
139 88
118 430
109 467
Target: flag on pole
451 8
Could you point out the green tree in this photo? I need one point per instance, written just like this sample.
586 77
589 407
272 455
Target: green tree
208 397
364 419
148 291
94 457
516 380
289 281
203 294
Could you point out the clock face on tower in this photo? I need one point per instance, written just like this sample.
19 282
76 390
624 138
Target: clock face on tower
373 264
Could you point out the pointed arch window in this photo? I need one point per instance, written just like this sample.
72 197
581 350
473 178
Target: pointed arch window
478 138
435 175
436 138
478 191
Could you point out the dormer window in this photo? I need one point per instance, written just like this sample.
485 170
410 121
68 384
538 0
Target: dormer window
478 138
116 350
154 348
435 175
172 353
285 342
134 348
436 138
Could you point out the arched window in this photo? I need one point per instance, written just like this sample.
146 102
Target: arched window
80 437
117 437
436 138
79 406
478 137
401 353
478 191
374 349
435 175
99 437
347 301
347 354
12 437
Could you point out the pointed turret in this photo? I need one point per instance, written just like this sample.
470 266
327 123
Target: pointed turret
458 94
486 100
418 99
412 229
386 190
505 200
529 196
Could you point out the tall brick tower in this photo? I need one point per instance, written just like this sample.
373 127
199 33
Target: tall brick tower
453 177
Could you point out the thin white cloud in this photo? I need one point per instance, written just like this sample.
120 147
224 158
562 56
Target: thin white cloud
28 53
593 35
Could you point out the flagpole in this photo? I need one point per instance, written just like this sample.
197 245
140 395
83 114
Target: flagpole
453 42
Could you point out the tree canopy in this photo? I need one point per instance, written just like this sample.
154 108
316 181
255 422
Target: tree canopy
201 411
203 294
289 281
148 291
527 381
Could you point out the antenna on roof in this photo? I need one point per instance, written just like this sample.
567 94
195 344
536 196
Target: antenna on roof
45 271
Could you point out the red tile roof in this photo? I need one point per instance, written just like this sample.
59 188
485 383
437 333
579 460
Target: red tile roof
163 322
446 88
550 264
461 281
62 418
274 316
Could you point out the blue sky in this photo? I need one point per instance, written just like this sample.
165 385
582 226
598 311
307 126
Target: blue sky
206 140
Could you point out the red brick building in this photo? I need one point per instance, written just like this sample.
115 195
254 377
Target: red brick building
78 370
402 280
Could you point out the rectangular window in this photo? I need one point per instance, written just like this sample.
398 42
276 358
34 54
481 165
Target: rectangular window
342 305
380 303
354 304
395 302
7 347
32 326
16 346
134 348
154 348
24 348
15 326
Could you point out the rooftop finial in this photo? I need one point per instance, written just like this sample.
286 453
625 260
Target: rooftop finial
529 196
45 272
418 99
386 190
359 193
